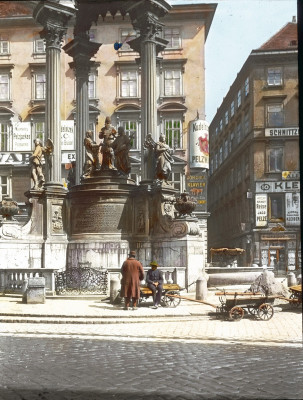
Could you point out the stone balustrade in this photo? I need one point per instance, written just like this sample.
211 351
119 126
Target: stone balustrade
11 280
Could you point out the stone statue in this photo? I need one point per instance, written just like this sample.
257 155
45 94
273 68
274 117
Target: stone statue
163 159
71 177
108 134
121 147
91 155
36 162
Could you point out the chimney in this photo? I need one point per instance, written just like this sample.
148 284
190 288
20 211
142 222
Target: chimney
294 19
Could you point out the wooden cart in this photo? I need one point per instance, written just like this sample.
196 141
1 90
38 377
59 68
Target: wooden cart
168 289
296 295
257 304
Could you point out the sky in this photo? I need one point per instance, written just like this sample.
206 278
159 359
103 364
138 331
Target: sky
238 27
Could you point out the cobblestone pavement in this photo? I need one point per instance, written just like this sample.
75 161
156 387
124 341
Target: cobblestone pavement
87 369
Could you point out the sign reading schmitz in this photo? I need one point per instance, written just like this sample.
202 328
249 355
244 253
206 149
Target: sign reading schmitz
282 131
261 209
198 147
280 186
22 136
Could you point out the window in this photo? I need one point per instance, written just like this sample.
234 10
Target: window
221 125
216 161
131 130
232 141
274 76
173 37
4 187
275 159
4 87
129 80
40 86
232 109
275 115
239 98
91 86
246 124
39 46
4 44
176 180
217 130
40 130
225 148
220 155
4 132
126 36
276 207
173 133
172 83
238 133
226 118
246 86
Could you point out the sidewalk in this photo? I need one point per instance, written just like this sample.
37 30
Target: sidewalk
188 321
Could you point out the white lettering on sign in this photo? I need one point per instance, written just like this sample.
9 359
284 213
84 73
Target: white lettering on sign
282 131
67 135
280 186
22 136
198 144
14 158
67 158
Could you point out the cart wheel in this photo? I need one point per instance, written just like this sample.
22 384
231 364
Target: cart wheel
294 300
162 301
236 313
252 310
265 311
172 301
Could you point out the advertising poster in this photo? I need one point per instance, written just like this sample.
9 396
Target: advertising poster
198 136
261 210
22 136
196 183
67 135
292 209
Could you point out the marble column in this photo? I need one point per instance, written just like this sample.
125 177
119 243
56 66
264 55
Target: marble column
54 18
81 49
145 18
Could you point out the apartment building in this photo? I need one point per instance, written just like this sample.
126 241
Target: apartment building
254 184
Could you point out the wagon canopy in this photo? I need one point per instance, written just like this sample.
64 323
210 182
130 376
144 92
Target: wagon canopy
231 252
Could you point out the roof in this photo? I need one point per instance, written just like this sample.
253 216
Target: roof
283 39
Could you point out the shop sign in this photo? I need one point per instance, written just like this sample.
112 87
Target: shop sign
67 158
261 209
292 209
282 131
288 175
7 158
196 183
22 136
67 135
280 186
198 147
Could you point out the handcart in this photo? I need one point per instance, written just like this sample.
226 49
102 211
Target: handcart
168 299
256 303
295 298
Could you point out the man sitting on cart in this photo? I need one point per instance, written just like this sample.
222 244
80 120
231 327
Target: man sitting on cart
154 280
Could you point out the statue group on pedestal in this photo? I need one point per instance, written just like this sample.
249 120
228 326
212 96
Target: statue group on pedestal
113 148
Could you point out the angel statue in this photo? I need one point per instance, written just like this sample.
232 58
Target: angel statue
36 161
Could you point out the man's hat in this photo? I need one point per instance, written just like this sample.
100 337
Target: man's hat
154 264
132 253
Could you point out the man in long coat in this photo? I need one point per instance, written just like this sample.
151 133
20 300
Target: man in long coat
132 274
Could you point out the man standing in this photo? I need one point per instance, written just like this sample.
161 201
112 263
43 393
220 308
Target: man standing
132 274
154 280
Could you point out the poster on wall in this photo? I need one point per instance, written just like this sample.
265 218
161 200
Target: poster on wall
292 209
196 185
198 148
22 136
261 209
67 135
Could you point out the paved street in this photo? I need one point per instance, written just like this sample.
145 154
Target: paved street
61 368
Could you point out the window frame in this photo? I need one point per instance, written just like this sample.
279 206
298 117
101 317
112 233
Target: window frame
274 77
232 108
7 185
173 80
8 85
172 47
174 119
239 98
272 152
4 40
246 87
273 123
280 197
37 43
5 145
130 120
123 41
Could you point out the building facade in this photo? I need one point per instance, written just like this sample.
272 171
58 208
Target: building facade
254 184
114 89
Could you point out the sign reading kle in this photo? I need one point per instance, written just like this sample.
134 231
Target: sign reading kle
198 147
280 186
196 183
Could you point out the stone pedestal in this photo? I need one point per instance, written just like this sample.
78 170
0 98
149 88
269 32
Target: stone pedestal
35 291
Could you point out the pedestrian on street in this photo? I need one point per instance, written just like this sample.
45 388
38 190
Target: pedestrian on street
154 280
132 273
